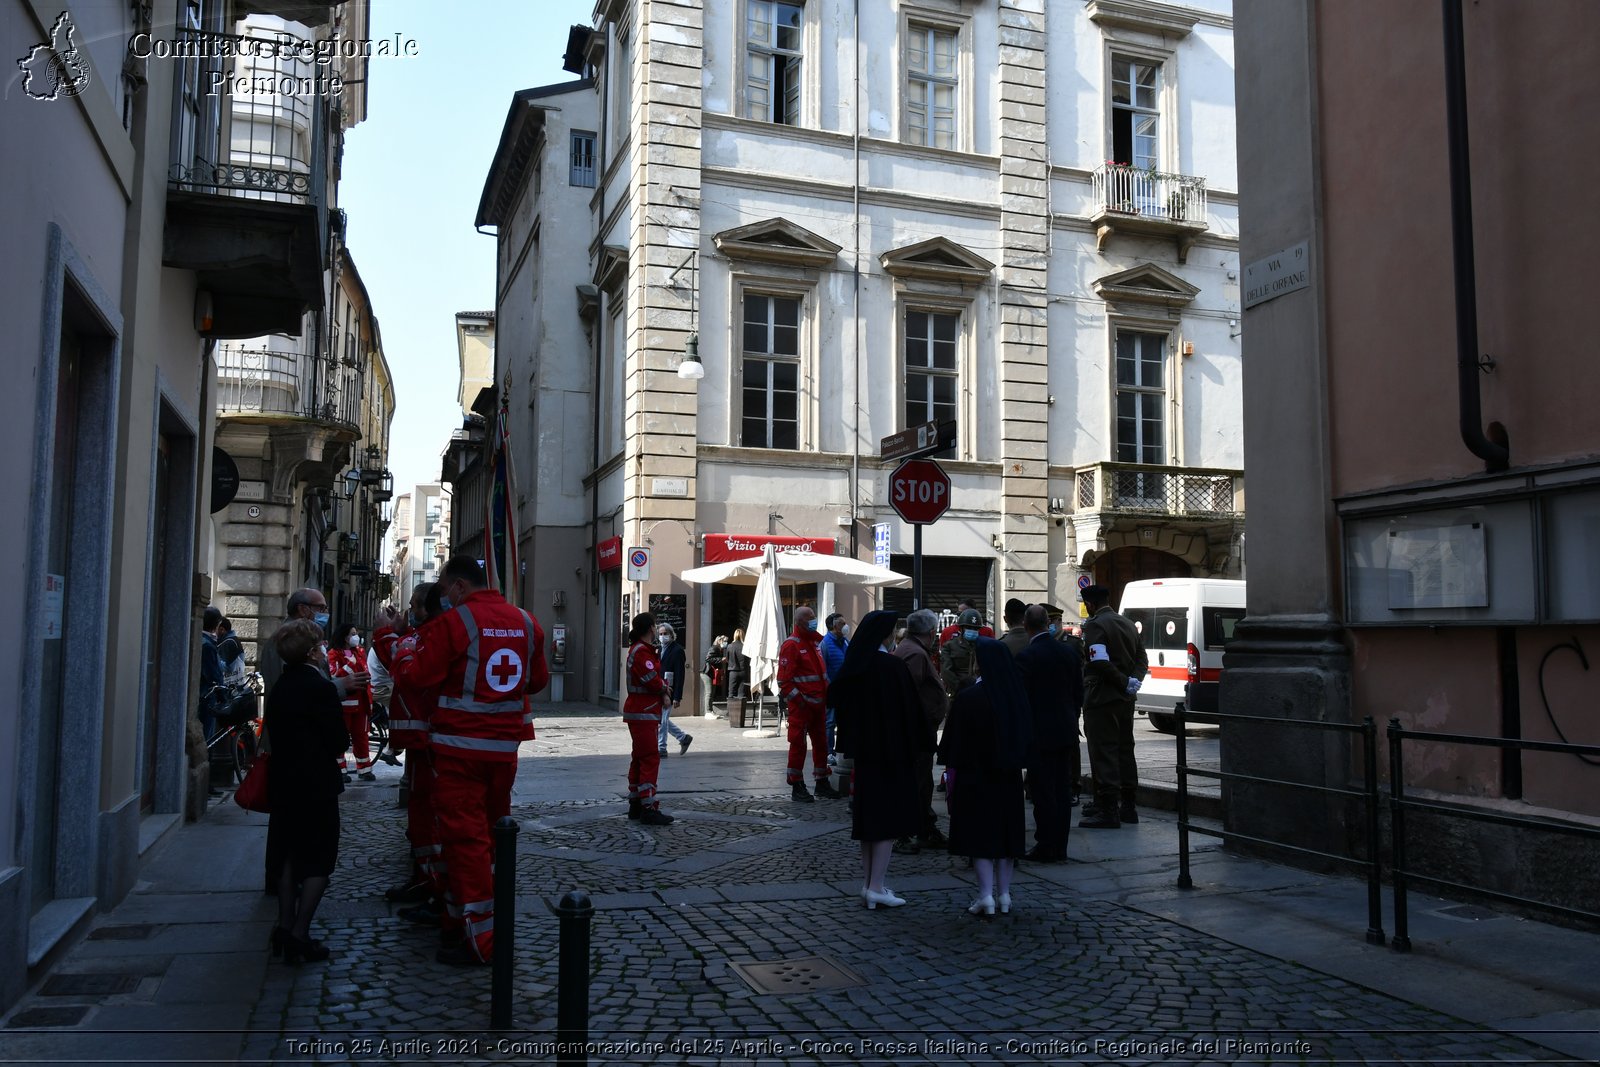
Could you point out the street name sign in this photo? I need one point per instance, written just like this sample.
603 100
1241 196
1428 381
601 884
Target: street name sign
920 440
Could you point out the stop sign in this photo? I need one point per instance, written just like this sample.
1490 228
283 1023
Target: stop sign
919 491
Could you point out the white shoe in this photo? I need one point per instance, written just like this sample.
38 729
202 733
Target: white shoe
886 898
981 906
1003 902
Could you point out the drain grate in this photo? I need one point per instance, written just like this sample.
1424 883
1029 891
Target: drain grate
809 974
134 932
1467 913
89 985
43 1017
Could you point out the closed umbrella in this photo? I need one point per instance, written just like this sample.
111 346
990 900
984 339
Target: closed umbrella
764 637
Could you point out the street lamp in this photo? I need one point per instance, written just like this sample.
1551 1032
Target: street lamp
691 368
352 481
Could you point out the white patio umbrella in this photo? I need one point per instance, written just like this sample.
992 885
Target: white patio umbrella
763 638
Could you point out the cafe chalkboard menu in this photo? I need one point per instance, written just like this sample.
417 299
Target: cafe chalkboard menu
671 608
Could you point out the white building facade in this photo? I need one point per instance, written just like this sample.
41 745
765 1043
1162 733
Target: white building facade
1016 215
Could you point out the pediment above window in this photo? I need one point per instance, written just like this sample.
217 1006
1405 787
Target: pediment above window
938 258
1146 284
777 241
612 270
1159 20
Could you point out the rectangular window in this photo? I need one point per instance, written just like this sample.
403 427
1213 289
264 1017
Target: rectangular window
1219 626
1140 397
931 369
582 173
931 86
622 89
771 417
1135 112
773 31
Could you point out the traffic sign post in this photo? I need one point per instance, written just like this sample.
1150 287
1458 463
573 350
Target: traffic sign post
919 492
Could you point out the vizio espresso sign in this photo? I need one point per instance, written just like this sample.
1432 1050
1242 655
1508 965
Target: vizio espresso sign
724 548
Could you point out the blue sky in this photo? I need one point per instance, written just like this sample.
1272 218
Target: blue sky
413 172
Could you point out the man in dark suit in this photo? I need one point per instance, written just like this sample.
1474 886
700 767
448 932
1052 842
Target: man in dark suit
1052 674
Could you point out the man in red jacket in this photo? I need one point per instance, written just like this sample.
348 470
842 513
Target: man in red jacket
641 710
803 687
486 658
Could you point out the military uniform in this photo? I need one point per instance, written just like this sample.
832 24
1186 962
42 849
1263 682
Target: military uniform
1114 655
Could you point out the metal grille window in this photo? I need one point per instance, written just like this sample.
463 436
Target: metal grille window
1140 396
930 366
931 86
1135 112
582 173
772 66
771 417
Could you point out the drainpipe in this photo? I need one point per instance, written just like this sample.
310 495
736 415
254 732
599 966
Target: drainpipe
1496 455
855 274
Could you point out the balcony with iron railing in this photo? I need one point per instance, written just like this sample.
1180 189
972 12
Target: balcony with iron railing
260 379
1151 203
247 179
1204 494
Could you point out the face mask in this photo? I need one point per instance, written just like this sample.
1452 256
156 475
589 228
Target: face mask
411 619
970 635
354 642
812 625
444 603
1054 629
321 619
846 631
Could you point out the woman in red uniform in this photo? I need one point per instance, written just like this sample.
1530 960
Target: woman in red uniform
347 657
642 712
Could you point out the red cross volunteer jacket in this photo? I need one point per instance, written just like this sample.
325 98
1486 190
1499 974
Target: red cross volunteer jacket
410 708
646 688
486 659
802 674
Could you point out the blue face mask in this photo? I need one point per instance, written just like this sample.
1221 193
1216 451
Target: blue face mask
812 625
1054 629
970 635
411 620
444 603
321 619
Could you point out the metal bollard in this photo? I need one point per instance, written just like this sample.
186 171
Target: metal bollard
505 921
572 979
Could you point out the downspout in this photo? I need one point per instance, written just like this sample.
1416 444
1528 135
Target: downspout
855 274
1496 455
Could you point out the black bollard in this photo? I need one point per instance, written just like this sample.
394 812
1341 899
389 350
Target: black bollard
572 979
505 921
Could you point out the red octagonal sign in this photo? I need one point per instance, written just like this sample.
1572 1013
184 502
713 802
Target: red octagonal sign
919 491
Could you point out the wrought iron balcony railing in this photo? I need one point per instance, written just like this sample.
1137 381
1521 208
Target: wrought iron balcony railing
257 380
1189 492
1152 194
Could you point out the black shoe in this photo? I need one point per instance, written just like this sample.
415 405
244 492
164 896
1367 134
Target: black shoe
346 776
907 846
1040 854
424 914
389 757
410 893
1091 810
298 951
1100 822
367 776
635 809
826 791
1128 814
799 793
934 839
940 787
662 753
655 817
683 746
459 954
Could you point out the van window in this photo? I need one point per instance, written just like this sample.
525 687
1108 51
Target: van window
1219 624
1163 629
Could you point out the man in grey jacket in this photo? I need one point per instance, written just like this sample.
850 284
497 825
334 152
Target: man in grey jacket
921 629
1113 670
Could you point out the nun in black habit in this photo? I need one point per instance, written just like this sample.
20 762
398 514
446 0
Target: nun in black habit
985 747
880 726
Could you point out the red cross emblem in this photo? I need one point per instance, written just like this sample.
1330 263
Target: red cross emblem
503 671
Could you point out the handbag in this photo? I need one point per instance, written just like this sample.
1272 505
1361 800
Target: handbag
252 792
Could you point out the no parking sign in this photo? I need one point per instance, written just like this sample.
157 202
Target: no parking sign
638 564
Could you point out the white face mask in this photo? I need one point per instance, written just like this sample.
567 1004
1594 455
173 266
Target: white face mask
355 641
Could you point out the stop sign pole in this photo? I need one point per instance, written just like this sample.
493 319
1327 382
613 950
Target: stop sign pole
919 492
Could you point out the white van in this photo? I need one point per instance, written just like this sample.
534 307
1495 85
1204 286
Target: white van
1185 623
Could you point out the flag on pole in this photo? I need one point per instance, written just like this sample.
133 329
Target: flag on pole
500 518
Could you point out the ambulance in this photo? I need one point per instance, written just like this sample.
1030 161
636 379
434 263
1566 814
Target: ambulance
1185 624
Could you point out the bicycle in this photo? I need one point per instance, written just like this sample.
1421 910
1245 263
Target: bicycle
233 746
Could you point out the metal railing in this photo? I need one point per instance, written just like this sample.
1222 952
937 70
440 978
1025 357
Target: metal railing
1151 194
1401 873
257 380
1367 794
1158 490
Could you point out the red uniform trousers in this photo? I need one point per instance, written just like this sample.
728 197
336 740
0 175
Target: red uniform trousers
807 720
646 762
356 721
421 827
469 795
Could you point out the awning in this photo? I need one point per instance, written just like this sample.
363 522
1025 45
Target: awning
800 567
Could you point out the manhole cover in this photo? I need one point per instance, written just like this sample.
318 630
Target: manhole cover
136 932
62 1016
809 974
89 985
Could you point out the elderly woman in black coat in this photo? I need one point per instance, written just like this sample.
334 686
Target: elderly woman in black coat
880 725
305 727
985 746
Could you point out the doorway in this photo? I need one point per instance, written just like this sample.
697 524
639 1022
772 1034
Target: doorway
1133 563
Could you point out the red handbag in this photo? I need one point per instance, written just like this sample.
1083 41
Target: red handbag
252 792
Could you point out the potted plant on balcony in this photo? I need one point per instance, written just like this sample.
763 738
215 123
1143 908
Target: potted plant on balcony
1175 205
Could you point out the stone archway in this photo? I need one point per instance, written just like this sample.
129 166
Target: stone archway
1130 563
